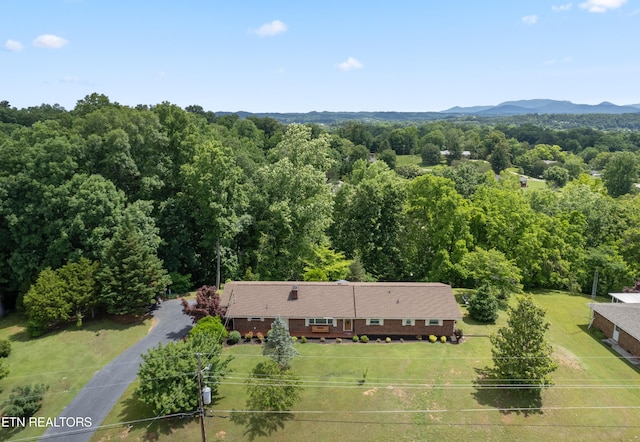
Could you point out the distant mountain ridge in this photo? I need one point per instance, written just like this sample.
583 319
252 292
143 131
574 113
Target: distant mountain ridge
506 109
542 106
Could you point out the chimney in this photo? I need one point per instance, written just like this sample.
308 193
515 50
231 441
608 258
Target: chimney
294 293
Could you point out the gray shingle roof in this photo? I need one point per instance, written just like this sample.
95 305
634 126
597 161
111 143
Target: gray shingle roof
626 316
387 300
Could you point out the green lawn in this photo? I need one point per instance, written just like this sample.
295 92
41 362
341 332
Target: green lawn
65 360
422 391
407 160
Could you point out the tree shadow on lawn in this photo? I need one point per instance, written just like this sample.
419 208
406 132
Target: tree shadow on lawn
260 424
134 409
97 325
507 398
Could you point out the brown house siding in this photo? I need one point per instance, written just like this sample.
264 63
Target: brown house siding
603 324
394 327
629 343
391 327
625 340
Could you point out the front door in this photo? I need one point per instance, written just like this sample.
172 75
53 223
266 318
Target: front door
347 325
616 333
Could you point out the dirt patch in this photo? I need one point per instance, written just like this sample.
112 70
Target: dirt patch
370 392
154 321
567 359
127 319
221 435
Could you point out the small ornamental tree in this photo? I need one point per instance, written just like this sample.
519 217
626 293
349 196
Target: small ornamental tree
521 354
483 306
279 346
207 304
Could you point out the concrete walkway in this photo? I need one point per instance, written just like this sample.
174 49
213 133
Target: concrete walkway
103 391
622 352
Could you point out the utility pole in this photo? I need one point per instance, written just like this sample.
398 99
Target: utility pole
201 409
218 264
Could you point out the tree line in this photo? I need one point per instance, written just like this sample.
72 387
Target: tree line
133 198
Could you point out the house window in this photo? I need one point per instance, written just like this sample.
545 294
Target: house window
320 321
255 319
434 322
408 322
375 321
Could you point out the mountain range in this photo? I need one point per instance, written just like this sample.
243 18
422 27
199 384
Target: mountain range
540 106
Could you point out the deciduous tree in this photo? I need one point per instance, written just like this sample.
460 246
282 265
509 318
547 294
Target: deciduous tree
167 380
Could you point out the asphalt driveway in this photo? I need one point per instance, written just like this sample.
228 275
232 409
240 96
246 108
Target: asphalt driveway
102 392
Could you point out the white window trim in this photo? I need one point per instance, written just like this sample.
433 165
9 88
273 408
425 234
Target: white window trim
428 322
381 321
412 322
255 319
311 321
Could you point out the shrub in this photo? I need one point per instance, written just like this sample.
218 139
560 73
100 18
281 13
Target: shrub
364 339
210 325
25 400
294 338
443 339
260 337
322 340
419 337
35 328
401 340
5 348
378 340
234 337
248 336
432 338
483 305
355 338
338 340
303 339
458 333
388 339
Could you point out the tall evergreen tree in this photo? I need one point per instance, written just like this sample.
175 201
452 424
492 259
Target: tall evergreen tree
521 354
132 275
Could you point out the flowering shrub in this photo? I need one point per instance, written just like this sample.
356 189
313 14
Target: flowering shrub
432 338
388 339
443 339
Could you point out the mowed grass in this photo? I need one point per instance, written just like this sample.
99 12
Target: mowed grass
65 360
423 391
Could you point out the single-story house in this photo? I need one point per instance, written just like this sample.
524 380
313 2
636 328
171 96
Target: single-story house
342 309
620 322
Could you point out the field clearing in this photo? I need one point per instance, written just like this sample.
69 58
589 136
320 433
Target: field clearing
422 391
65 360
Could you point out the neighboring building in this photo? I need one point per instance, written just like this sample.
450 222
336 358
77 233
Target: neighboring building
620 322
342 309
629 298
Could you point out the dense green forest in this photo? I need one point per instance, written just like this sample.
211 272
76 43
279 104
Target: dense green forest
120 202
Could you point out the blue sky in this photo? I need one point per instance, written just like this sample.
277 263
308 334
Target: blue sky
300 56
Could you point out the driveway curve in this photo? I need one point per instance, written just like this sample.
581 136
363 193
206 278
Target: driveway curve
102 392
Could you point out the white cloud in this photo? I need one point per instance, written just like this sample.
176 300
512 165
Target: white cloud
530 19
13 45
350 64
561 8
270 29
602 5
49 41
